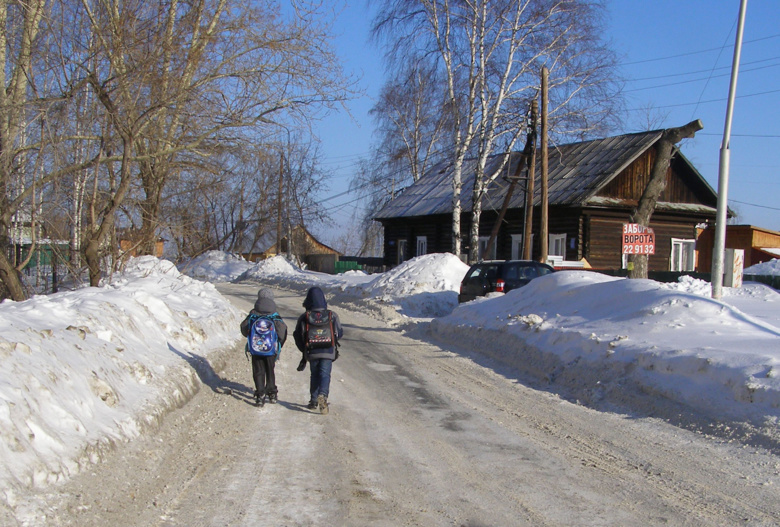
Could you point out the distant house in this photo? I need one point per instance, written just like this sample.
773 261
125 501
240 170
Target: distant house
593 188
760 245
315 254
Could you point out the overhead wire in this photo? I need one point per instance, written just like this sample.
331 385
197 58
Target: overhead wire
689 53
358 157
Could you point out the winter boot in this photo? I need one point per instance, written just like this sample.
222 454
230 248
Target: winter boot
312 405
322 404
259 399
272 398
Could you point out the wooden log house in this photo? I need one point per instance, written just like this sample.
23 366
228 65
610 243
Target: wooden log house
594 187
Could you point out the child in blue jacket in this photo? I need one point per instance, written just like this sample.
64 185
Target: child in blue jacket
263 367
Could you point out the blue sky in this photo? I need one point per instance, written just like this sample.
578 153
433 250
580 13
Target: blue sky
676 58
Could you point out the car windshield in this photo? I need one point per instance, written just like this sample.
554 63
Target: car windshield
489 272
528 272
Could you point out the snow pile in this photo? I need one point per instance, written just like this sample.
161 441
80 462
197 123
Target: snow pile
595 333
274 266
215 266
772 267
422 287
425 286
87 368
688 284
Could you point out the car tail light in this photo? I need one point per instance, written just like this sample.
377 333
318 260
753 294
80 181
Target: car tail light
499 286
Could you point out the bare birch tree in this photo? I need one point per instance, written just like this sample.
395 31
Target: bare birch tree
490 54
409 133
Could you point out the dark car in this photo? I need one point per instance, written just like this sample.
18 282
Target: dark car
499 276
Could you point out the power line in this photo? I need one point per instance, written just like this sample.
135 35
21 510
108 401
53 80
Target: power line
754 205
770 136
695 72
768 92
644 61
715 62
742 70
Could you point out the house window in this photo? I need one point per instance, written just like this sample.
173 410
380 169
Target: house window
682 258
557 245
483 241
518 249
401 251
422 245
517 246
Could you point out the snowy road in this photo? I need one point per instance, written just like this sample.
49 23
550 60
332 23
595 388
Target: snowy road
417 435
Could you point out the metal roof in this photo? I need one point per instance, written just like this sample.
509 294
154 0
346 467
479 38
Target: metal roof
576 172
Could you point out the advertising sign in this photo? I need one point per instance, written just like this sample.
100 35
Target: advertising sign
638 239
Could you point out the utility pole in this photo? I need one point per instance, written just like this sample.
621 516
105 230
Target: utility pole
530 144
279 207
543 228
529 191
719 244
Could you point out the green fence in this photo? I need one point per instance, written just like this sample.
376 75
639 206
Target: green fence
347 265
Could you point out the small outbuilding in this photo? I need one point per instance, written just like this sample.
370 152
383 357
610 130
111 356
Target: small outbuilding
759 245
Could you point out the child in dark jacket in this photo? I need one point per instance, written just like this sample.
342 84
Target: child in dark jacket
320 358
263 367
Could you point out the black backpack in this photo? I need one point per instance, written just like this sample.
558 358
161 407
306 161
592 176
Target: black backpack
320 332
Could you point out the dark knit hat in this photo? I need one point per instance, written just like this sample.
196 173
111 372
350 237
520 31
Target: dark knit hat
265 293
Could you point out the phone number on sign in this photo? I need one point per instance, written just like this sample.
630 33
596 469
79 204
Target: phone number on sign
639 249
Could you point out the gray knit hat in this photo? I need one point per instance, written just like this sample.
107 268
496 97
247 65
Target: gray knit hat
265 293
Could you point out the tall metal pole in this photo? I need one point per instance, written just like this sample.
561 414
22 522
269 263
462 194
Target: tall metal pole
544 218
279 207
719 244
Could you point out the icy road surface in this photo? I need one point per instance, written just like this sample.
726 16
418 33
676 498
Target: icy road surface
416 435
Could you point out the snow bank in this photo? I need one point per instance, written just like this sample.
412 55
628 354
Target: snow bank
423 287
274 266
85 369
612 332
215 266
88 368
772 267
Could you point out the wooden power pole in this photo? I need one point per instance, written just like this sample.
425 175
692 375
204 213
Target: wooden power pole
530 146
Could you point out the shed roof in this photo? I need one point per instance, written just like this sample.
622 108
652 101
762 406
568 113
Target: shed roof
576 172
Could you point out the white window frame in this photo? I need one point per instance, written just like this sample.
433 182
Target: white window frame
557 239
483 240
517 244
422 245
685 258
401 256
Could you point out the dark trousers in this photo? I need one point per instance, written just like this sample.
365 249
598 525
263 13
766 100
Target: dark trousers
320 377
263 374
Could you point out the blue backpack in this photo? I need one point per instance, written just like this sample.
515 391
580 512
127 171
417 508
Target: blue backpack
263 339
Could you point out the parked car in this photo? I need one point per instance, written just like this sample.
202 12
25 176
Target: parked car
499 276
